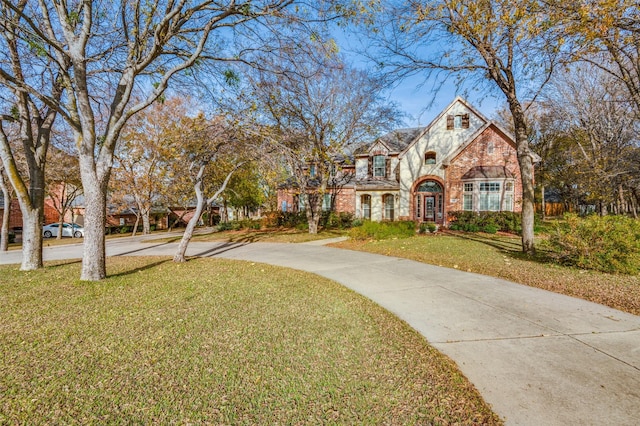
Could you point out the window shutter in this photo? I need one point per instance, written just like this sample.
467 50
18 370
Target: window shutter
387 168
449 122
465 121
370 171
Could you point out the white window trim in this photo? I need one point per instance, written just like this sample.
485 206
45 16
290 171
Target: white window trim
505 200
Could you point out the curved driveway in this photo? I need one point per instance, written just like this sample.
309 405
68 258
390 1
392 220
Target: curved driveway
539 358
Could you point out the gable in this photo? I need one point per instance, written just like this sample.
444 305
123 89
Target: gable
443 135
490 137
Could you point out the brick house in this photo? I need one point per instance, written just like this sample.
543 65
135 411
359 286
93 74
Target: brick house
460 161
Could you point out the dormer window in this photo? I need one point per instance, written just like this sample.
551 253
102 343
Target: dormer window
430 158
458 121
379 165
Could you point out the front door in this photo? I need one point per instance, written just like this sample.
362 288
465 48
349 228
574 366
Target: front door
430 208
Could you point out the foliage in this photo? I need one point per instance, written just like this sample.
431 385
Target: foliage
215 342
608 243
334 220
383 230
490 222
427 226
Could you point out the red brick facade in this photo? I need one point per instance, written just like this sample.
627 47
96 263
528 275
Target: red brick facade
490 148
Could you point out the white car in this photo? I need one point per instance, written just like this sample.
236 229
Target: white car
68 230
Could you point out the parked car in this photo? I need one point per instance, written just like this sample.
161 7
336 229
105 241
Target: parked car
68 230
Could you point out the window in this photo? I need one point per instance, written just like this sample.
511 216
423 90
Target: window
301 206
388 201
508 196
312 170
490 147
326 202
365 206
418 206
467 197
489 196
379 165
458 121
430 158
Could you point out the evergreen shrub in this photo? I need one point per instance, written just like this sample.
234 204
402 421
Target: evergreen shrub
607 244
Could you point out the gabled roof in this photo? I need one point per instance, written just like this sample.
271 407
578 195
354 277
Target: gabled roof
394 141
488 172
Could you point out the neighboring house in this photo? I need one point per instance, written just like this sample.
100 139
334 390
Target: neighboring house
460 161
15 215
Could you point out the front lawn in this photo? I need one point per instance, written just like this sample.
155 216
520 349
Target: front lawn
217 342
500 256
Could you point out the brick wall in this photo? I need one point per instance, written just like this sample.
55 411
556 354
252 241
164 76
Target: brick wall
478 154
346 201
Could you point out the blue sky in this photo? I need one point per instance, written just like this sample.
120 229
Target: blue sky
417 98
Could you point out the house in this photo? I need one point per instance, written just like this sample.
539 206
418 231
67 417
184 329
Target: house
460 161
15 214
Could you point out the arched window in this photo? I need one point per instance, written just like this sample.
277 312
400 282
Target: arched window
389 202
429 186
365 206
430 158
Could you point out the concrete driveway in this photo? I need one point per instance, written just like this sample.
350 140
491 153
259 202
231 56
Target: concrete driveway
539 358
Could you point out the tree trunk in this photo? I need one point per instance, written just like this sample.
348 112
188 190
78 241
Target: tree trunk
135 226
94 257
525 160
146 226
313 211
4 234
543 203
31 239
60 227
191 226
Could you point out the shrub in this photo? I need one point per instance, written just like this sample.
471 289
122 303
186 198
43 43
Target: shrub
427 226
473 222
290 219
12 237
224 226
125 229
490 229
383 230
607 244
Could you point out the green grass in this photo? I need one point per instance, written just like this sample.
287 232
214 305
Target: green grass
500 256
218 342
284 235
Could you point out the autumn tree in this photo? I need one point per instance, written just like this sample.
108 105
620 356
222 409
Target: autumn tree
494 41
100 53
605 35
209 155
592 111
63 185
31 89
144 155
316 108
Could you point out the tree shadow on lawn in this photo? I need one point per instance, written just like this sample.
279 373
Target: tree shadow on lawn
138 269
508 245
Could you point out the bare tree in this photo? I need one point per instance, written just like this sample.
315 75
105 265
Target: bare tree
495 41
31 88
316 109
99 53
593 111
